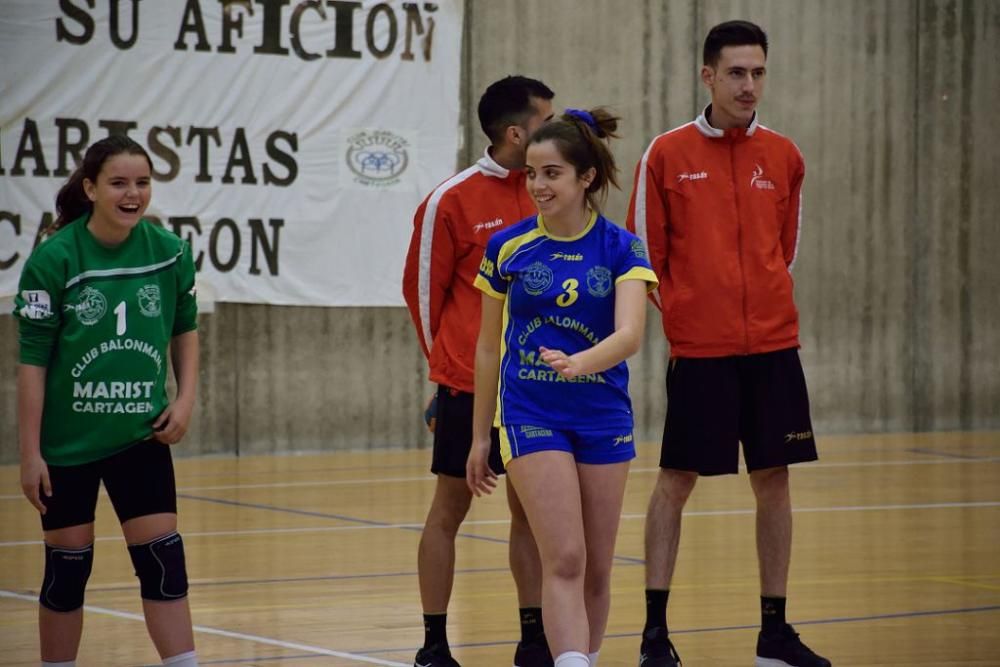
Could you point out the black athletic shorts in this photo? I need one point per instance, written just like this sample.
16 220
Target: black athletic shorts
453 435
139 480
714 404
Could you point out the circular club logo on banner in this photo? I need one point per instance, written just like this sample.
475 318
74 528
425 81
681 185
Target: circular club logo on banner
377 157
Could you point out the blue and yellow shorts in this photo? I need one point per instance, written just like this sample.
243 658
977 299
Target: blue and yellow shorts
590 446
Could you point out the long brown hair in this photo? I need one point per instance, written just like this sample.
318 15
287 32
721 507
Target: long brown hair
581 137
72 202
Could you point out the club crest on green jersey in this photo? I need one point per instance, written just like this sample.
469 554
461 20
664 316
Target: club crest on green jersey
599 281
537 278
90 307
149 300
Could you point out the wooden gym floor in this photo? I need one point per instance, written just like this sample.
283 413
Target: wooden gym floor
311 560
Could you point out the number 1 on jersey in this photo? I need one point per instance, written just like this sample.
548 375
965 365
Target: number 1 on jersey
120 312
569 297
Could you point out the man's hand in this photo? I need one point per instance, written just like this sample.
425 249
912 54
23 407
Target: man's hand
430 413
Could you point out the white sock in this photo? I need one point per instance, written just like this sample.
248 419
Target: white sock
572 659
593 658
188 659
68 663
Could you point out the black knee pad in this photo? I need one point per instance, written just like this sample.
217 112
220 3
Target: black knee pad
160 567
66 574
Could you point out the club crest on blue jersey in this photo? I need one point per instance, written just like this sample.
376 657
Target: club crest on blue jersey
537 278
638 249
599 281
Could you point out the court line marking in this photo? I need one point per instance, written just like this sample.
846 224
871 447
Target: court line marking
960 581
630 635
953 460
964 580
365 523
498 522
207 630
937 452
842 508
729 628
121 586
239 661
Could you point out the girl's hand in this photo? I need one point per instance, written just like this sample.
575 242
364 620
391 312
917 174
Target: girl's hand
478 475
35 479
560 362
173 422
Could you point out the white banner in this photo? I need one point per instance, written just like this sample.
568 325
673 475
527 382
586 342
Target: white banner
291 141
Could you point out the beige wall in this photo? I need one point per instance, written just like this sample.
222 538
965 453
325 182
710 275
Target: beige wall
893 104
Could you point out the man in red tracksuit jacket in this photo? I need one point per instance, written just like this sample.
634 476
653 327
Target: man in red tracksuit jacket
718 202
450 231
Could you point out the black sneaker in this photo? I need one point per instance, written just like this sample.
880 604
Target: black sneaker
437 655
785 649
534 653
657 650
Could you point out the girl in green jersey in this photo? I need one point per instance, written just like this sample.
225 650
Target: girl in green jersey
98 304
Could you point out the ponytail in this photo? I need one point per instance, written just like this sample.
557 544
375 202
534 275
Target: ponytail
582 137
71 202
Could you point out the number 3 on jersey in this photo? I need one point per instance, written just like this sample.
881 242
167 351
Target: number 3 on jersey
569 297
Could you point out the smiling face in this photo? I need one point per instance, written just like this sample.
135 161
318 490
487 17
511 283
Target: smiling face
736 82
558 190
120 195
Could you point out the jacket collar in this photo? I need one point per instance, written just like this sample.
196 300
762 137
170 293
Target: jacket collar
714 133
490 167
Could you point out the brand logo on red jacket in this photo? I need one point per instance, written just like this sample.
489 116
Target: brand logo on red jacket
692 176
489 224
758 181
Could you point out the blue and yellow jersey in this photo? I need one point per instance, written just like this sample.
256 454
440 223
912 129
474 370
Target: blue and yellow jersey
559 293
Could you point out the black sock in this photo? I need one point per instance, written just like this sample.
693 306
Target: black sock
656 608
434 629
772 615
531 623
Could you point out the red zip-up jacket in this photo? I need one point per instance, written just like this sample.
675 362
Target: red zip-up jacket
450 231
720 213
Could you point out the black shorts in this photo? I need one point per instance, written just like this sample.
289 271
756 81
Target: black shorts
139 480
714 404
453 435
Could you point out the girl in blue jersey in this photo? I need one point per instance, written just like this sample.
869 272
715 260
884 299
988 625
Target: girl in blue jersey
563 307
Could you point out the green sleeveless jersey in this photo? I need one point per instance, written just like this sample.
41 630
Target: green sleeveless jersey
99 320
